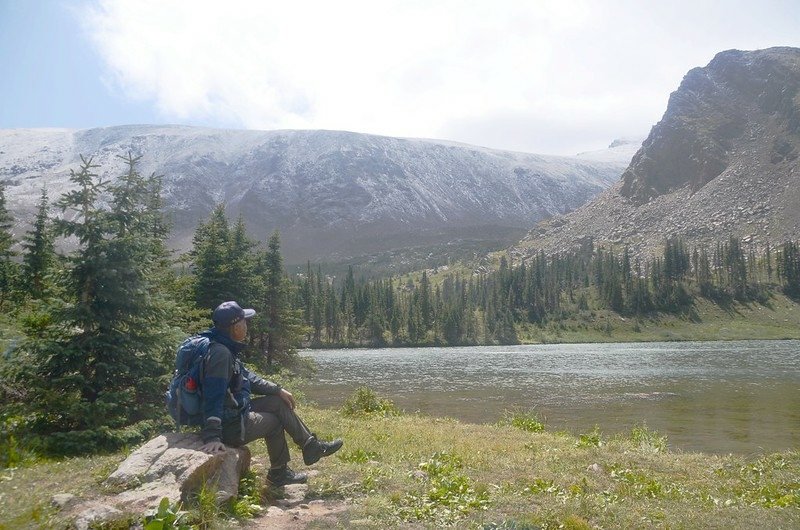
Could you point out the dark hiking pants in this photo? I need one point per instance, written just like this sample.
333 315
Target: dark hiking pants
271 418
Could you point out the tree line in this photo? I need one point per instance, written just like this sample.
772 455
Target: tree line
487 308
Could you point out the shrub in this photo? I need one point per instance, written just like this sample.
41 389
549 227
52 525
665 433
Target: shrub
590 439
648 440
541 486
207 510
13 453
365 401
524 421
248 502
637 483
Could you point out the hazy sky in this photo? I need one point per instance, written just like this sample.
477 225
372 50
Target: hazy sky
546 77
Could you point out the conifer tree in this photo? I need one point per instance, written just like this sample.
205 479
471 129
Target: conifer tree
279 329
240 271
96 360
39 256
332 316
425 306
789 268
307 296
210 261
317 308
8 269
768 262
486 307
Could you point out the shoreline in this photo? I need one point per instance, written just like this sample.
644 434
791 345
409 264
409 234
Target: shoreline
611 341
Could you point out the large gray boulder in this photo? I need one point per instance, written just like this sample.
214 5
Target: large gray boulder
172 466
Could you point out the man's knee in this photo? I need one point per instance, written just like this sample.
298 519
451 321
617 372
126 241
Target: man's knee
262 425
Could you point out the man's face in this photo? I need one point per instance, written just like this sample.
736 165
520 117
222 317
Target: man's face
239 330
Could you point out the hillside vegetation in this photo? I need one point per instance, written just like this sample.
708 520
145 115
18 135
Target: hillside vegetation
594 294
778 318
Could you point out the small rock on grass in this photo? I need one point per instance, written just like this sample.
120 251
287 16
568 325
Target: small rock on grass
595 468
96 514
62 500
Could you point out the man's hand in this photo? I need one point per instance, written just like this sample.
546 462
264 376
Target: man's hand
213 448
287 397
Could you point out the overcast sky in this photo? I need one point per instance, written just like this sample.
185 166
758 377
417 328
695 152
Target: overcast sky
556 77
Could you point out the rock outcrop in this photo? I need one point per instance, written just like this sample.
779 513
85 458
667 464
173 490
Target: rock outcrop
722 162
170 466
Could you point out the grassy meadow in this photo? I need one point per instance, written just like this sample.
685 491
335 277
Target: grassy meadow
411 471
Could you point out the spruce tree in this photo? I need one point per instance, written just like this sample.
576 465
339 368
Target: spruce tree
317 308
8 269
95 360
789 268
240 271
279 328
332 316
425 306
39 256
210 261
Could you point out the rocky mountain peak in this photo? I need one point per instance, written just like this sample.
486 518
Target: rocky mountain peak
722 162
715 111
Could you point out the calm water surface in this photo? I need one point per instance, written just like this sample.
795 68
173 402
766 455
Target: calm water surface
719 397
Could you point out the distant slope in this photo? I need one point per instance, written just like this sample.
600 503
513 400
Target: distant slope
333 195
722 162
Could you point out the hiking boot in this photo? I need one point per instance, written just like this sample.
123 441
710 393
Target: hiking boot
313 449
284 476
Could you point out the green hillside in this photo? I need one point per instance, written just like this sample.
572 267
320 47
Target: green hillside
778 318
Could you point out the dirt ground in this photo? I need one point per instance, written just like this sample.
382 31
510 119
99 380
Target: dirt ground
295 512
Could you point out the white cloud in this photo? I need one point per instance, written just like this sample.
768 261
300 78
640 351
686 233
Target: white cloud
481 72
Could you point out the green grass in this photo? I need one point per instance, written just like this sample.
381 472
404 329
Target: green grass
506 475
26 491
413 471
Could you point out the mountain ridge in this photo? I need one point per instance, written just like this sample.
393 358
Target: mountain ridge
722 162
332 194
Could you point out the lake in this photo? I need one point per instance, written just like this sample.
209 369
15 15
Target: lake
717 397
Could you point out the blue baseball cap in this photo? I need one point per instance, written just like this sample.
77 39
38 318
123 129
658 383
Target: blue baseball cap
229 313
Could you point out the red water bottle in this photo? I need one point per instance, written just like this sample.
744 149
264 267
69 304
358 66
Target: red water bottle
191 384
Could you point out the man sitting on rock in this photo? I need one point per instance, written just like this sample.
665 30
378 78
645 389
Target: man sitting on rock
232 418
